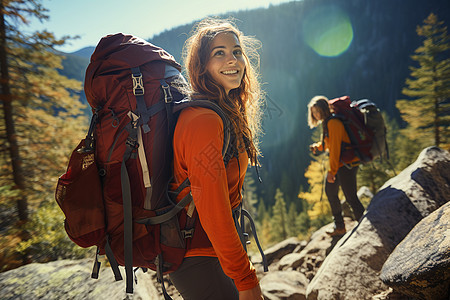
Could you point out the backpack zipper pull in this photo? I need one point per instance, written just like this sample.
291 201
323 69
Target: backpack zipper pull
115 122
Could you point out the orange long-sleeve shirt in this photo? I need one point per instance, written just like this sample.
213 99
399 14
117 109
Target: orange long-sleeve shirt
333 142
197 142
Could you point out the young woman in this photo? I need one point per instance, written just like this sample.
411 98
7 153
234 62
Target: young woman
338 173
219 69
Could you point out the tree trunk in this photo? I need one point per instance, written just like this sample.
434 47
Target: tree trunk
11 137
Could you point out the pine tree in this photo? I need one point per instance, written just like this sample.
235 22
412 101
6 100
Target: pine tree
266 236
303 223
315 197
428 110
279 218
261 211
42 117
291 220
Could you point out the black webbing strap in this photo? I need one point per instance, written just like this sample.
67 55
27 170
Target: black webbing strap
96 267
131 145
113 262
236 215
138 91
89 140
168 215
159 275
252 225
181 187
353 141
239 212
168 99
180 105
155 108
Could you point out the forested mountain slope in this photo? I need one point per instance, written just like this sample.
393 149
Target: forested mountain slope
381 36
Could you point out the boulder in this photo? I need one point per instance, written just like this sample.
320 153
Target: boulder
291 261
423 273
320 245
287 285
67 279
352 269
288 276
279 250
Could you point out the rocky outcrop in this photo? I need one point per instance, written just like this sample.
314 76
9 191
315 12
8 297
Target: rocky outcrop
291 271
323 268
70 279
278 251
284 285
420 265
352 269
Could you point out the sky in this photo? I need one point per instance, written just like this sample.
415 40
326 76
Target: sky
93 19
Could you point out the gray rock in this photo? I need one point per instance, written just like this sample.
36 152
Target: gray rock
279 250
291 261
364 191
303 265
66 279
352 269
424 272
286 285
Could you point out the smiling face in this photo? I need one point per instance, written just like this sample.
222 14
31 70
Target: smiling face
226 63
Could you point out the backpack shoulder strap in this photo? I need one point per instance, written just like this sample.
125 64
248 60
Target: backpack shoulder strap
208 104
325 125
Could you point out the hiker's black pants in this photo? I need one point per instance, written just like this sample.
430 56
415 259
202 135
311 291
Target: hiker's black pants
346 178
202 277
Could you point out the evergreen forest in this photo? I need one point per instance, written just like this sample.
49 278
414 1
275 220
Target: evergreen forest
395 53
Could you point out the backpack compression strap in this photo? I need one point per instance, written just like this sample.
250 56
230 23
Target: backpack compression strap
131 145
138 91
112 262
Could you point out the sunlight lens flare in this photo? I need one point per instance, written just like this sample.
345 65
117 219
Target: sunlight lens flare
328 31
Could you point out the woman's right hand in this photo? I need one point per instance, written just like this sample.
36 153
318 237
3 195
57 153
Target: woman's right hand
313 148
251 294
331 178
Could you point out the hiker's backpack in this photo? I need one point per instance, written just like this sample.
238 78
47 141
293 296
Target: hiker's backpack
365 127
125 208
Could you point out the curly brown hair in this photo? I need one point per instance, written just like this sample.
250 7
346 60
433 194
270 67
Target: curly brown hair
243 104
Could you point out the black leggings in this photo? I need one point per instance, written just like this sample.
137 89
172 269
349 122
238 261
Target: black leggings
346 178
202 277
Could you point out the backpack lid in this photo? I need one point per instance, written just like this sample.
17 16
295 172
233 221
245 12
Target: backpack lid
123 51
130 51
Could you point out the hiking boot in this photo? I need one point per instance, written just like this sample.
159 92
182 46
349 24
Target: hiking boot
336 231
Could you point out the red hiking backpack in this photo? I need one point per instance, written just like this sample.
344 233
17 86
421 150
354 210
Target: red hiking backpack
365 127
115 191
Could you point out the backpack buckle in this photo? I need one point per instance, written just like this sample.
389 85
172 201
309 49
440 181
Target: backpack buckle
167 94
133 143
138 84
187 233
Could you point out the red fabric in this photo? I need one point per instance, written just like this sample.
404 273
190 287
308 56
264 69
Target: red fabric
109 86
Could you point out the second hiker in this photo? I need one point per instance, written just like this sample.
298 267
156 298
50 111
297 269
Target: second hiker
334 135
